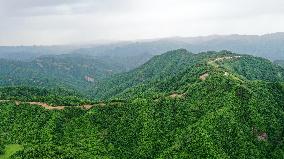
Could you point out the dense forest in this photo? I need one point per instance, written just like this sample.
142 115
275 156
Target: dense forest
174 70
75 72
176 105
55 96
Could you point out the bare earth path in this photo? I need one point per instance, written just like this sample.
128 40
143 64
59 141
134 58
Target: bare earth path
49 107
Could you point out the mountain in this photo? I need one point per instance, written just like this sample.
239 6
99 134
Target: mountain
173 69
131 54
158 68
28 53
71 71
177 105
267 46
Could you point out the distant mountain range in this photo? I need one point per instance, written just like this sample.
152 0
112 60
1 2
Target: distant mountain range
280 62
133 54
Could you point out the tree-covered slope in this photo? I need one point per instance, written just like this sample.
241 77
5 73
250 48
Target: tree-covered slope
220 117
254 68
177 69
55 96
177 105
72 71
158 68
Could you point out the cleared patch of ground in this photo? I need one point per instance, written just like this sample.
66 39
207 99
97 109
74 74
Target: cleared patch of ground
262 136
46 106
175 95
204 76
220 59
224 58
10 150
49 107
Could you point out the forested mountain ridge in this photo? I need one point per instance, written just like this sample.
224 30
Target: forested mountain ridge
72 71
156 69
177 105
255 68
175 69
102 79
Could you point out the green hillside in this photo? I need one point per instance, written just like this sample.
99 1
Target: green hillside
76 72
210 120
10 150
177 105
254 68
55 96
176 70
159 68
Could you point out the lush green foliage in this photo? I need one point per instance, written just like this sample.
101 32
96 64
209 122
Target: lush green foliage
49 134
177 105
70 71
56 96
10 150
211 120
256 68
2 147
158 68
174 70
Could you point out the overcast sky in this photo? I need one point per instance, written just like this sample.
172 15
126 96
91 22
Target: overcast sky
28 22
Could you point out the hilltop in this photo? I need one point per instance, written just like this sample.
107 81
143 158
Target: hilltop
175 70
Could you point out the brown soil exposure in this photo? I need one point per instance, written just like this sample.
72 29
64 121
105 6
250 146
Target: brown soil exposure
224 58
204 76
175 95
17 102
47 106
262 137
87 107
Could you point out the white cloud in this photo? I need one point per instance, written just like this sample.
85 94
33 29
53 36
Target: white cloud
71 21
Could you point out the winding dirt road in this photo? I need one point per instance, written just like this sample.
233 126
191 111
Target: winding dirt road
49 107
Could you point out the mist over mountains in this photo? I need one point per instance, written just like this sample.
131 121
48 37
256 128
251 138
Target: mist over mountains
268 46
